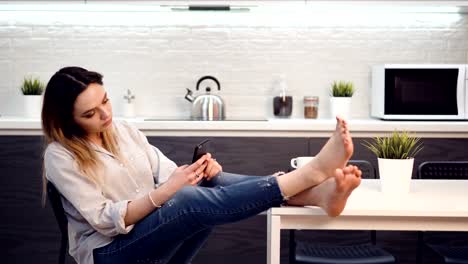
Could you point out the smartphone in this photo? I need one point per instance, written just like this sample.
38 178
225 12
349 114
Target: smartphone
200 150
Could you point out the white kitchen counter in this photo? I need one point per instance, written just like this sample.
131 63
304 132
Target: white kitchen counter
270 128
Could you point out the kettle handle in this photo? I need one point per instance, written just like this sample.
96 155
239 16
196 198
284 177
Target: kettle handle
209 78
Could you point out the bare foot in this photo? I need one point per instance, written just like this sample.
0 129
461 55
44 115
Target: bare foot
332 194
335 154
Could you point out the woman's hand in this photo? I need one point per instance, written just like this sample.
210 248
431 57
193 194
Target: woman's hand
212 169
189 174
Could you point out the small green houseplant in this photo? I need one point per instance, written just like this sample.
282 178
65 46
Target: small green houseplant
395 154
32 86
399 145
340 98
32 89
342 89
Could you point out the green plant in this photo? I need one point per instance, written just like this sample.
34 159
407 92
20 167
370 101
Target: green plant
400 145
342 89
32 86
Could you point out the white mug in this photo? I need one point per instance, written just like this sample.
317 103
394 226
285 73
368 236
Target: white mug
300 161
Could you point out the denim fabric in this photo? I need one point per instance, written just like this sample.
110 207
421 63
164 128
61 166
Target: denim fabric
175 232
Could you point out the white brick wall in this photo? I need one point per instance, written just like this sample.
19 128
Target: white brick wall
158 55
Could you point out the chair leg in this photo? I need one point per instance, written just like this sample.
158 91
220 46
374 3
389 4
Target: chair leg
63 249
292 246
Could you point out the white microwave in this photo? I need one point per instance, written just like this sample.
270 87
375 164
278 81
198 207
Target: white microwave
419 91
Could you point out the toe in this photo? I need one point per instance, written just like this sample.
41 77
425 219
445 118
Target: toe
358 173
340 180
339 174
348 169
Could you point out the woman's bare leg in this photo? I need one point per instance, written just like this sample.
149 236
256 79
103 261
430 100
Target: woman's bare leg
332 194
334 155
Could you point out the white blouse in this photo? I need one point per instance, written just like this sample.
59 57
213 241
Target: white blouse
96 213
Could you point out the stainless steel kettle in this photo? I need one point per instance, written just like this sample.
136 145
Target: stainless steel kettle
206 106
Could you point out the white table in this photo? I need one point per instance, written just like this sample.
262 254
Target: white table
431 205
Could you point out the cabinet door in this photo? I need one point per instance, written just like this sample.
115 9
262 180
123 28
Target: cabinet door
252 156
28 232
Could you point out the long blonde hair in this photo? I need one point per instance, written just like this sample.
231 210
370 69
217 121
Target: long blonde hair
59 126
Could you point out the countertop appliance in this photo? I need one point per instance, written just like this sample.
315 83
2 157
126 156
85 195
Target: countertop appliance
420 92
206 106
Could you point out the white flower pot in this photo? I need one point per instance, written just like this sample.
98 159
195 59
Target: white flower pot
395 175
32 105
340 106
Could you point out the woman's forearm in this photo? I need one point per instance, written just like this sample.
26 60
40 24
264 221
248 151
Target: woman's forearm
183 175
141 207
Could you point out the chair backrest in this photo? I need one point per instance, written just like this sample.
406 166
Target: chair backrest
56 202
368 171
447 170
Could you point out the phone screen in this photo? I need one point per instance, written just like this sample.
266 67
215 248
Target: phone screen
200 150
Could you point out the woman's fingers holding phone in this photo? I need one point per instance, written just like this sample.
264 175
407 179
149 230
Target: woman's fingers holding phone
205 156
180 177
199 162
212 169
198 174
196 170
209 169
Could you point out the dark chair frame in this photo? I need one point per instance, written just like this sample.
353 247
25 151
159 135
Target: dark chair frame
367 170
56 203
435 170
447 170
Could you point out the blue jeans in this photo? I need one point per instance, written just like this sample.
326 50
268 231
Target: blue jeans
175 232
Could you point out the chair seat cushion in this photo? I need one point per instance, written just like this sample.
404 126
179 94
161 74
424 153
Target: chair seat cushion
328 254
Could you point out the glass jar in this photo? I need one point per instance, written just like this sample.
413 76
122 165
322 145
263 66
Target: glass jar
282 106
282 102
311 104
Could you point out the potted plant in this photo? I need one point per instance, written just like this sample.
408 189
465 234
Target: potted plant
395 155
340 100
32 89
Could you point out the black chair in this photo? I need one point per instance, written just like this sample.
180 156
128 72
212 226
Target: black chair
54 199
303 252
448 170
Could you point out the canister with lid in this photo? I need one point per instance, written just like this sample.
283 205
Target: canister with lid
311 104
